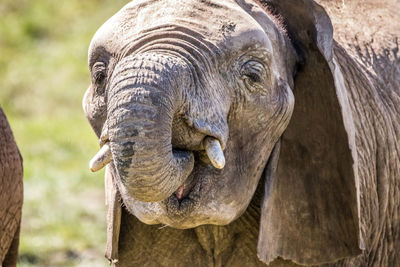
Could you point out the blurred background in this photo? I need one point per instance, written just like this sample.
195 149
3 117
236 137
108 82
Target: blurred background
43 76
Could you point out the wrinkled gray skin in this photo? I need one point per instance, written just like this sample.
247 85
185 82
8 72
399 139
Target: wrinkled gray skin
11 194
309 127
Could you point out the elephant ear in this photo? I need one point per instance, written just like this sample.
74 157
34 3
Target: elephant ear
310 209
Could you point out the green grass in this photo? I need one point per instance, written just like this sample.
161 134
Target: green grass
43 74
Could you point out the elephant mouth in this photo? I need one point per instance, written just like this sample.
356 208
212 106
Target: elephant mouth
208 163
187 197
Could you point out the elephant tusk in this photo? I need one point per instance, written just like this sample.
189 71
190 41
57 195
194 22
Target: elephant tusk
214 152
101 159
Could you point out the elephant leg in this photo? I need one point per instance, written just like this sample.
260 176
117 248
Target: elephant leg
12 253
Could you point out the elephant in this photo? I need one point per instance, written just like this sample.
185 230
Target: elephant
248 133
11 194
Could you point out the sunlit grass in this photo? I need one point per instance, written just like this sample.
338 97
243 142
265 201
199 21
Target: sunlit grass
43 75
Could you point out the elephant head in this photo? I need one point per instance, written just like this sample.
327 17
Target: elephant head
193 104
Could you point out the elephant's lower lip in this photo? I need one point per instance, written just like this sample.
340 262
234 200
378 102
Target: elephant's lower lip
186 188
195 186
179 206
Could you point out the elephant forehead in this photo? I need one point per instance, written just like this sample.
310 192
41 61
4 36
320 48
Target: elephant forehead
223 23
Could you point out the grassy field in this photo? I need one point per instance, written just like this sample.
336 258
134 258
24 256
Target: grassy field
43 75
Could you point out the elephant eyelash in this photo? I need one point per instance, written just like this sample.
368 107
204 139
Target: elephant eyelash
99 79
254 77
252 73
253 70
99 76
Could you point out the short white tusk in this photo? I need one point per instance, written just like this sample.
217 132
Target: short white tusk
214 152
101 159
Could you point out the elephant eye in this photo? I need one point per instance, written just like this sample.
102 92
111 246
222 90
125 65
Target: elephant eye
99 76
253 73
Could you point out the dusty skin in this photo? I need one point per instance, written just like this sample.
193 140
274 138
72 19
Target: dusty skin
11 194
244 134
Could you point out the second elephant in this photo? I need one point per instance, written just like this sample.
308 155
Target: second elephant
11 194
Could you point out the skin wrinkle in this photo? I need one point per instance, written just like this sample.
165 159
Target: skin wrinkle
170 33
195 47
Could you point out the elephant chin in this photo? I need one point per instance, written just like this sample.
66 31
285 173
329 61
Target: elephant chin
186 207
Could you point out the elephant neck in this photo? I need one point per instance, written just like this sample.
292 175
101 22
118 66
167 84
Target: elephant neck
235 242
206 245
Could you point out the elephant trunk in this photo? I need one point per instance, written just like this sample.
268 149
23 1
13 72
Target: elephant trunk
142 99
